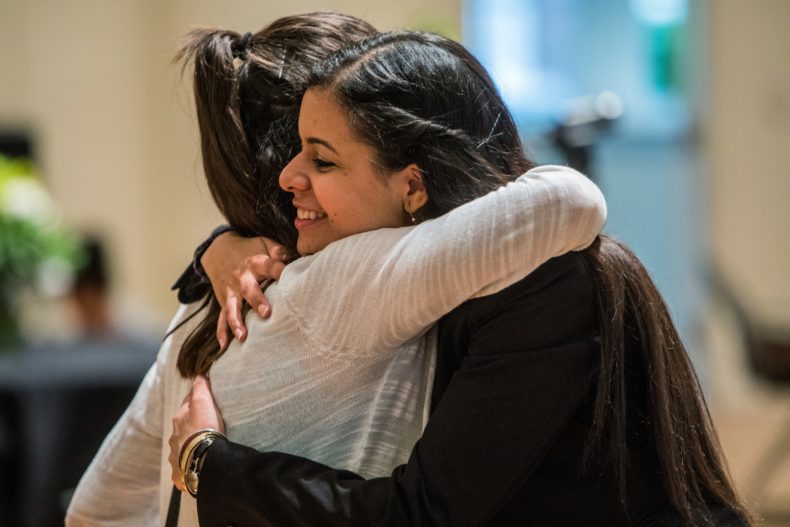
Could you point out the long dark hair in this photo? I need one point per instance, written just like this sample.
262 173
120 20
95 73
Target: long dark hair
639 340
248 89
420 98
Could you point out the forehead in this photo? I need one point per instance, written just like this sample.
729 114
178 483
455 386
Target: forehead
322 117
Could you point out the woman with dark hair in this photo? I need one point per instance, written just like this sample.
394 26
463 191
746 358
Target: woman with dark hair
565 399
342 369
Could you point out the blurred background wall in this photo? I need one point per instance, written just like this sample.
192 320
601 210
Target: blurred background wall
695 168
114 125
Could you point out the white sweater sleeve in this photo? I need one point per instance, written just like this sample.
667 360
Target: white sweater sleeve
121 487
391 287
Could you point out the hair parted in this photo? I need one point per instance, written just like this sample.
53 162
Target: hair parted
421 98
248 89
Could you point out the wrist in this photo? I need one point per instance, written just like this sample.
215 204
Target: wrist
197 261
193 454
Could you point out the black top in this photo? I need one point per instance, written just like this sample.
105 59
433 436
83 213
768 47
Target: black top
510 416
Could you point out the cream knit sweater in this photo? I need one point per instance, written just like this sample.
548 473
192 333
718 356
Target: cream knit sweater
342 371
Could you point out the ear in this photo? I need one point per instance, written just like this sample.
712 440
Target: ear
416 194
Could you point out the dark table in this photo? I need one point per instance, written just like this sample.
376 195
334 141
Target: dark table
57 403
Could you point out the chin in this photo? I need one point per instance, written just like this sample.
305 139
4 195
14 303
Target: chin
307 247
314 240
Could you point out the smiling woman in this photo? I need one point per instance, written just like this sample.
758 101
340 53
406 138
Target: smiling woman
338 188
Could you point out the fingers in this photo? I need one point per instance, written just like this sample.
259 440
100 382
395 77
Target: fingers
198 411
256 260
264 267
251 291
279 252
222 330
274 249
172 458
257 269
175 471
232 312
177 480
175 443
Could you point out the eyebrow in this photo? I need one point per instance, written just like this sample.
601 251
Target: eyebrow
317 141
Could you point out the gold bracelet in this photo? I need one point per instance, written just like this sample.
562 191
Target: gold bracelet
188 445
192 453
195 463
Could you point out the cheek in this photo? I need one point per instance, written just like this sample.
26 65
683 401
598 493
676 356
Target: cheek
378 208
356 208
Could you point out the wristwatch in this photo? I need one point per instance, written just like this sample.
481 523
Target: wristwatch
193 455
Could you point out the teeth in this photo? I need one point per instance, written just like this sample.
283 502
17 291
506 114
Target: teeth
304 214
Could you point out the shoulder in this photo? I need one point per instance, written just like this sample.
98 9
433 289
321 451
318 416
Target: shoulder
186 319
558 282
555 304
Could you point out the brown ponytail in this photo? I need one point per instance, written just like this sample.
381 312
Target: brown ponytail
228 161
637 334
247 93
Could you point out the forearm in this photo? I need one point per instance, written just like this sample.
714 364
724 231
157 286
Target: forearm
286 490
121 485
486 245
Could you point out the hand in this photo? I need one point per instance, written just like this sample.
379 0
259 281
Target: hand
198 411
236 266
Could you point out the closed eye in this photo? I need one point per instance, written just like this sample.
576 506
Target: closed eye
322 164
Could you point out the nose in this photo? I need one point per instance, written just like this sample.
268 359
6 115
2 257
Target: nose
293 177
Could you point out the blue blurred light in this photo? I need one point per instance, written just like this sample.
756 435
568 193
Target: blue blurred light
660 12
508 38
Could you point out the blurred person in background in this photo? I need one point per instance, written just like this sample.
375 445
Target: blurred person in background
90 293
90 297
60 396
96 325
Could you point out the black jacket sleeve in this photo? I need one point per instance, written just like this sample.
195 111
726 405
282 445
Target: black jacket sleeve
514 368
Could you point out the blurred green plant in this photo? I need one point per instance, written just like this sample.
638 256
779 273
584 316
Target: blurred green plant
33 242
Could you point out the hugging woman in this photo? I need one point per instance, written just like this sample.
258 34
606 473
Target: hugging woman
566 398
390 241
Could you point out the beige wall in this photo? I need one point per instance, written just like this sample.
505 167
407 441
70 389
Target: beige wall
748 149
115 127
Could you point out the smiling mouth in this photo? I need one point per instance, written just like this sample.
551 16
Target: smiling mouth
304 214
308 218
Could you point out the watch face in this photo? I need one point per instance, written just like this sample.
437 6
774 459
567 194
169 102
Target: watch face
195 457
191 481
